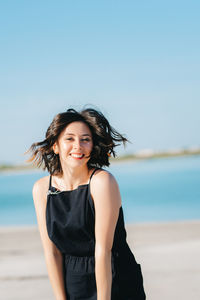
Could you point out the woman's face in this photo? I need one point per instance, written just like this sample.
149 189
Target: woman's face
74 144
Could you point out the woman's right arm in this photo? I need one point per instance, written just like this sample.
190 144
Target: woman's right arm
53 256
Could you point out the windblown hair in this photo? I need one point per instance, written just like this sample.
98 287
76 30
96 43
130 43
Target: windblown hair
104 139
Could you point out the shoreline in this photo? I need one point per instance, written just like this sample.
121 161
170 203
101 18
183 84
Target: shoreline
168 253
24 169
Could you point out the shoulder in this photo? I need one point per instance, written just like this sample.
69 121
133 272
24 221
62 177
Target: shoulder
104 185
103 178
40 188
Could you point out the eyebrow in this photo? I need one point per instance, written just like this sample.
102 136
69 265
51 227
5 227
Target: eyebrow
85 134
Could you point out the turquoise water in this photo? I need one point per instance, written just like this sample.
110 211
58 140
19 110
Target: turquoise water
152 190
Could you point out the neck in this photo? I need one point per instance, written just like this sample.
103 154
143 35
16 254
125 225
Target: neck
71 178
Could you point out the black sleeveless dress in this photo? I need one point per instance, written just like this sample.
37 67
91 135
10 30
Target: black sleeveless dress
70 220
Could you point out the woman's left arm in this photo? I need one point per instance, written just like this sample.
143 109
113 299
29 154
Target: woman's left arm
107 201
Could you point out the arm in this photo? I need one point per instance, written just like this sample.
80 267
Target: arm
107 201
53 256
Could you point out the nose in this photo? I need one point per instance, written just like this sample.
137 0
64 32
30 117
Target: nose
77 144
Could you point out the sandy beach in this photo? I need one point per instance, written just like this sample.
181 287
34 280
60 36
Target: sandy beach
167 252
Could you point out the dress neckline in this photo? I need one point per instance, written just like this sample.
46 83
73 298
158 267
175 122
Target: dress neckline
66 191
57 191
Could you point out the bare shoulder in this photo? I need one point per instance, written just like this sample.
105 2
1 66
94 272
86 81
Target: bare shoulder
104 185
103 178
40 188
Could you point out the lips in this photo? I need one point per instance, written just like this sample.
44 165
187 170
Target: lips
77 155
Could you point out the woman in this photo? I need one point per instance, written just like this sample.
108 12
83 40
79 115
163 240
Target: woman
79 212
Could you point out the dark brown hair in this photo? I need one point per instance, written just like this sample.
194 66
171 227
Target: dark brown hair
103 135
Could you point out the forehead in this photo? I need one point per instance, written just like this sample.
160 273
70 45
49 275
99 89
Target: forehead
77 127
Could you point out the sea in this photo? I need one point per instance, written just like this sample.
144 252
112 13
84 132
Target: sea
152 190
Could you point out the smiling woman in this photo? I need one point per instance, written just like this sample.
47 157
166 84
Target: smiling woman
79 211
104 139
74 145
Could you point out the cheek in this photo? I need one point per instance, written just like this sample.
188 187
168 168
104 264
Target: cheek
65 147
89 147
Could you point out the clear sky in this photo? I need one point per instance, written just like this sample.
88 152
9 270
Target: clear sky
137 61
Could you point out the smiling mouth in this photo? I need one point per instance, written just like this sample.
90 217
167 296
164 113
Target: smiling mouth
78 156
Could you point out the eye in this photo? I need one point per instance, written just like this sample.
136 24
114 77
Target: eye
86 140
69 139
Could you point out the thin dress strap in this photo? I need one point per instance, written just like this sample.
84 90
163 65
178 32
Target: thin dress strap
50 182
89 195
93 173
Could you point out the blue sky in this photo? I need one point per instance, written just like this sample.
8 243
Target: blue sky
137 61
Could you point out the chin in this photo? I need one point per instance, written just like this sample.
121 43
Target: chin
77 162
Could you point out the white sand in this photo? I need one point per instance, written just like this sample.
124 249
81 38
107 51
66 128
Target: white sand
168 253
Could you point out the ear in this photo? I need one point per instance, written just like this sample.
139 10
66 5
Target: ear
55 148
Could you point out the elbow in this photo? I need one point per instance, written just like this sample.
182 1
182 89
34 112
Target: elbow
101 252
53 254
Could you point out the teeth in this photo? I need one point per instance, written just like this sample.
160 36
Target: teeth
76 155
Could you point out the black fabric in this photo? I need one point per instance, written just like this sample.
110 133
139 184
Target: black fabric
70 220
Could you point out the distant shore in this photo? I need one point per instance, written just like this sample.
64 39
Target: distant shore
150 154
168 253
141 155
